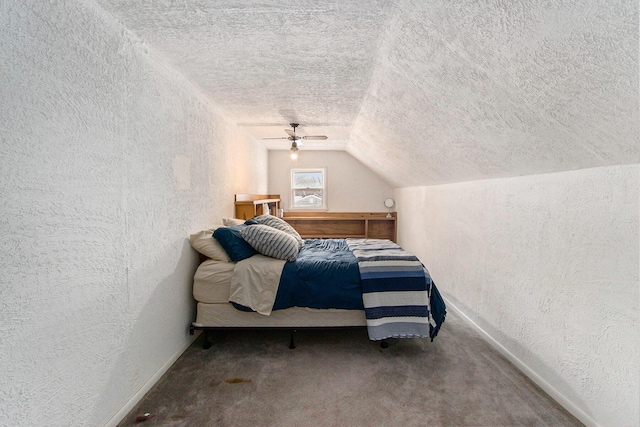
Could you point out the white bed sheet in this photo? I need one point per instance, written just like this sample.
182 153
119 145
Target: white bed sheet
255 282
212 280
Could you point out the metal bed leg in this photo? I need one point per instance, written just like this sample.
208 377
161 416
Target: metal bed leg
384 344
292 344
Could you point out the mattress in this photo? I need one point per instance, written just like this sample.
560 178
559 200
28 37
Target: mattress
211 284
212 280
226 316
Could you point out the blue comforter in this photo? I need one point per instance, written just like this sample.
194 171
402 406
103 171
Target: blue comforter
325 275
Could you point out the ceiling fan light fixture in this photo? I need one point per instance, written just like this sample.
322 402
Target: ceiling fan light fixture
294 151
295 139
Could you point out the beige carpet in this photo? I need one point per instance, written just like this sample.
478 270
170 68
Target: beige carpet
340 378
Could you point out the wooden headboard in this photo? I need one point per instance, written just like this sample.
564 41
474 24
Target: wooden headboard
250 205
341 225
315 225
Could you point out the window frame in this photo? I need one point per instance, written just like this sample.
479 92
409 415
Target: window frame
293 188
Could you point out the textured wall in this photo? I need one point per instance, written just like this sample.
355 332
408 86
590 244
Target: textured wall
351 186
548 266
108 160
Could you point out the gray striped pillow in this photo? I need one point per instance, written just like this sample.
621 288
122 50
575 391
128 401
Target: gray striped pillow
271 242
278 224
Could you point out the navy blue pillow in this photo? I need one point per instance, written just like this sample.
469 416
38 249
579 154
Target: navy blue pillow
233 243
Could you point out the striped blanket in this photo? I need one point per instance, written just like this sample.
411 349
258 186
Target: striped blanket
397 291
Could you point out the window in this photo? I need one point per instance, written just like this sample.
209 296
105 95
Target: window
308 189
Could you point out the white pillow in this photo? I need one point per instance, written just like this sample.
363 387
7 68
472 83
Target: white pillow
271 242
279 224
232 221
204 243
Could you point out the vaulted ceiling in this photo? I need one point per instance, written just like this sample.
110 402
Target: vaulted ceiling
422 92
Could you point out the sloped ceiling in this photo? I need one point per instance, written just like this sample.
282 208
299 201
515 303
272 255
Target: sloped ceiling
423 92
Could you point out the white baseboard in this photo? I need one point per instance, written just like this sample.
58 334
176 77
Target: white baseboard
541 382
113 422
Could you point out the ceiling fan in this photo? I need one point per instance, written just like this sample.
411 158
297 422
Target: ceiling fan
297 140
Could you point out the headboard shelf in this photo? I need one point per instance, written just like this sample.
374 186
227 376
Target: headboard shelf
341 225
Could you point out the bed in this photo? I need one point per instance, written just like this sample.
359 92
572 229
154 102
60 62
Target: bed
253 276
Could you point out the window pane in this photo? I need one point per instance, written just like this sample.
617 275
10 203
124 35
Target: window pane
308 179
307 198
308 189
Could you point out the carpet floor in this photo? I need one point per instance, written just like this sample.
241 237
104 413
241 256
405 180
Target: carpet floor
340 378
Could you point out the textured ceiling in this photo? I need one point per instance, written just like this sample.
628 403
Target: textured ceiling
421 92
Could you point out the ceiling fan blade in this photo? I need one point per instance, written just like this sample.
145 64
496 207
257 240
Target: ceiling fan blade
290 132
282 137
315 137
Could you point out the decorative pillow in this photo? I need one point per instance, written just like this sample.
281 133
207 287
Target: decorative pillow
204 243
278 224
271 242
230 222
233 243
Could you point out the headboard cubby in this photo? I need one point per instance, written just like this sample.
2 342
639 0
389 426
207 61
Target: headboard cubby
250 205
